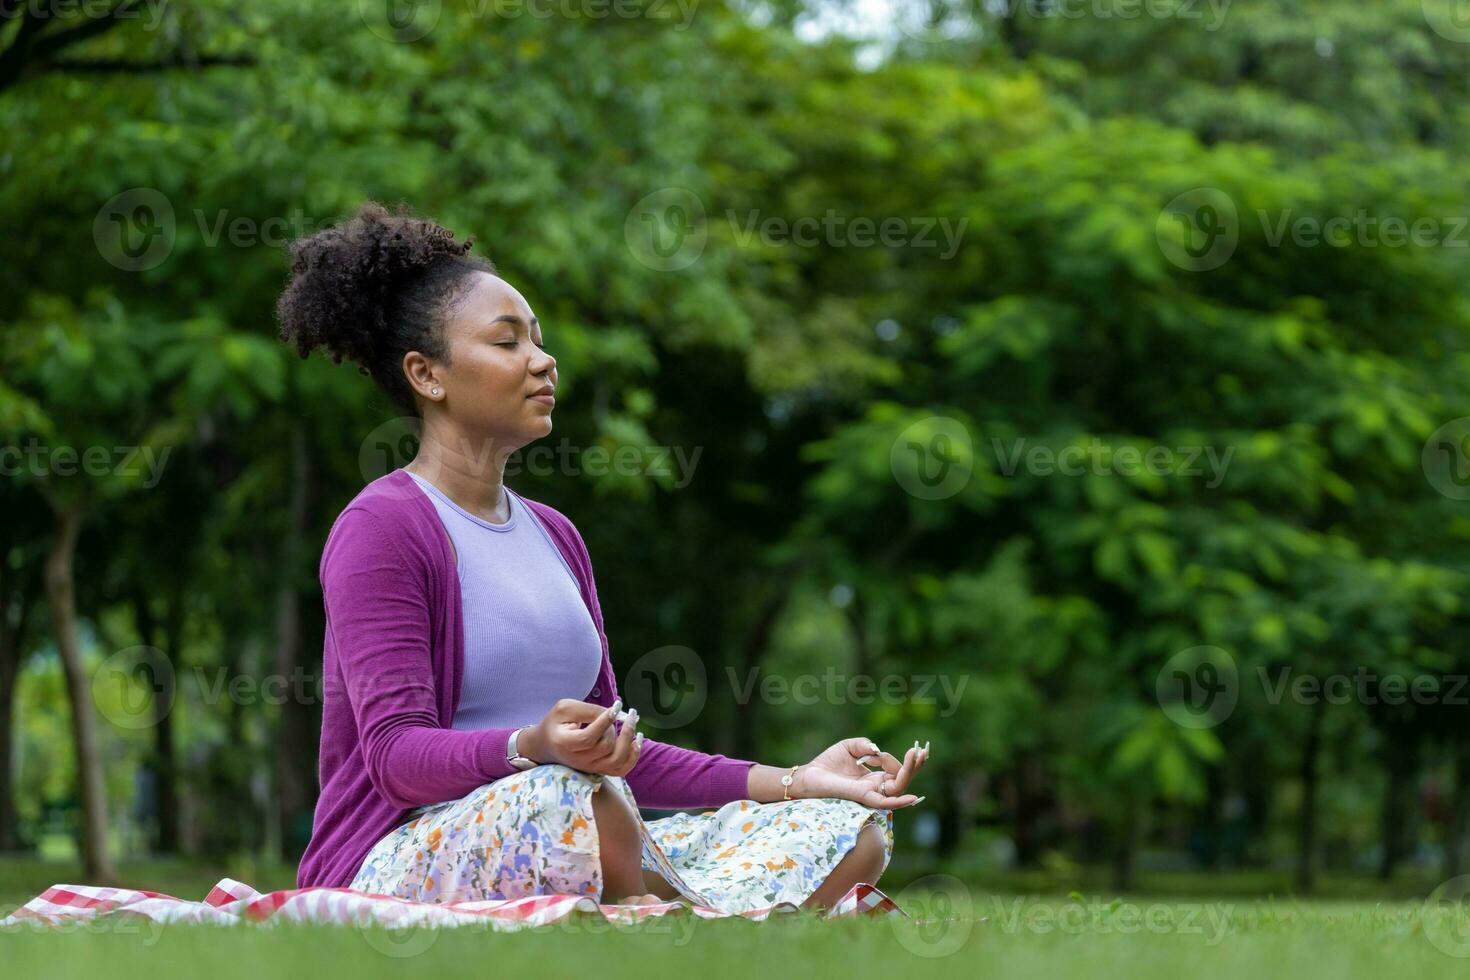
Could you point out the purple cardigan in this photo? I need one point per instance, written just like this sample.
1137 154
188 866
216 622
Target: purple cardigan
393 664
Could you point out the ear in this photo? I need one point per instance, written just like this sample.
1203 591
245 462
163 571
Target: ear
423 376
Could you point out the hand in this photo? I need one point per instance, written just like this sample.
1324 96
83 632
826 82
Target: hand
581 735
840 772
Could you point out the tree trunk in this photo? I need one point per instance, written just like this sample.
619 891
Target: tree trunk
1459 825
946 783
1027 809
1306 833
12 649
61 597
12 642
1398 799
164 756
1127 847
295 772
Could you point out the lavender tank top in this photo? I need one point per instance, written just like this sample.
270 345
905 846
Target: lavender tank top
528 637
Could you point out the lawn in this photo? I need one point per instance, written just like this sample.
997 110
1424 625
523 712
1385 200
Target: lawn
959 930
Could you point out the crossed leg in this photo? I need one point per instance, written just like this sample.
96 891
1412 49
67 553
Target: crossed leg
626 882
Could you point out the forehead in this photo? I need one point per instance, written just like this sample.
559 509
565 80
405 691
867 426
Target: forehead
490 296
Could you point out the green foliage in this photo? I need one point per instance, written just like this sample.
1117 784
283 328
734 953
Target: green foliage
1288 391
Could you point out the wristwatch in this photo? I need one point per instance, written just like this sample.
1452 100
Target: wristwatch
513 755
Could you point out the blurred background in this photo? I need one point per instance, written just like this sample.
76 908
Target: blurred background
1079 385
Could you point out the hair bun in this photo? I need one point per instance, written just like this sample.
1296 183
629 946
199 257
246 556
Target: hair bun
349 282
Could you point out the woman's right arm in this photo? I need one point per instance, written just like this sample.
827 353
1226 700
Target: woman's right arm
378 623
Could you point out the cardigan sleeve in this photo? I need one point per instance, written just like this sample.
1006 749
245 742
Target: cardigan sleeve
379 625
665 776
669 777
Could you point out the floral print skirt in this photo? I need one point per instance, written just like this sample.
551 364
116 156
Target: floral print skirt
532 833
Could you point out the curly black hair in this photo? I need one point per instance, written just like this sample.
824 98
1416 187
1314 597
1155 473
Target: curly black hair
374 287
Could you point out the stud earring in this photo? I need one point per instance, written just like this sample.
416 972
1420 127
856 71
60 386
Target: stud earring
434 391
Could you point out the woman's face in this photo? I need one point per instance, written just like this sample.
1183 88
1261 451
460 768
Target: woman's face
497 371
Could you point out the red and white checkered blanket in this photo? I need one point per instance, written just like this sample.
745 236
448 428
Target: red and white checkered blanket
231 901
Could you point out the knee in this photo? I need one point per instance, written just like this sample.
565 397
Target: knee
869 854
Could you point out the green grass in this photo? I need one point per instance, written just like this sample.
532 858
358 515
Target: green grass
1007 938
972 929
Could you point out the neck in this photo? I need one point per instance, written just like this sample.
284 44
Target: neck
470 469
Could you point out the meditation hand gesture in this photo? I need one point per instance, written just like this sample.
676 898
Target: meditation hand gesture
841 772
582 735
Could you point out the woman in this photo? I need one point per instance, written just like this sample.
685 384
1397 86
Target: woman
472 744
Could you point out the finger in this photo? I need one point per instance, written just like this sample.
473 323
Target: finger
881 802
622 745
894 769
900 780
636 754
888 763
601 723
572 711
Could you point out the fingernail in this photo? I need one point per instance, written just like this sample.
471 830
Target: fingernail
918 801
616 706
638 740
926 746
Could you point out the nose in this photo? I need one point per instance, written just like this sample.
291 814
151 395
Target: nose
547 368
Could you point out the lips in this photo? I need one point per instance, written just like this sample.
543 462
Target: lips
544 390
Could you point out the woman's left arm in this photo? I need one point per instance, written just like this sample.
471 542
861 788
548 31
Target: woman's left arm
669 777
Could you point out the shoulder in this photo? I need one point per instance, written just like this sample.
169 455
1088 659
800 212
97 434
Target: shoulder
386 515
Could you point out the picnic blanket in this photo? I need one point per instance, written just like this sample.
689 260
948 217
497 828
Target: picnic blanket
232 901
